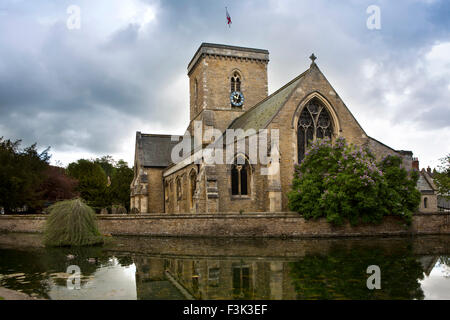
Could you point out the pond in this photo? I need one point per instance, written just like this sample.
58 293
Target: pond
174 268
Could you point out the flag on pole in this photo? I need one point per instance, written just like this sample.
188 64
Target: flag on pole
228 18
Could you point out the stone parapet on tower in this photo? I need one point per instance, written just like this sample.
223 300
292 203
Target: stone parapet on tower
213 49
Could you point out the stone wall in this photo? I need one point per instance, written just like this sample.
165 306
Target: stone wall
431 200
155 190
237 225
184 199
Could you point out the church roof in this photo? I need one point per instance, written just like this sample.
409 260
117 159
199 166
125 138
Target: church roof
154 150
260 115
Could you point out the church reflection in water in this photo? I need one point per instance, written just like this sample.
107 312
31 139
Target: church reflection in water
339 274
158 278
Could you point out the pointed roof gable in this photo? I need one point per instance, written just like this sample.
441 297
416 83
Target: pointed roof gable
425 182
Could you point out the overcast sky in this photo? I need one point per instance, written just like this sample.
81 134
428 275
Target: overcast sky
85 92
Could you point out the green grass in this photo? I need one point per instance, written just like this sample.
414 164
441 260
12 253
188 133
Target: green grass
72 223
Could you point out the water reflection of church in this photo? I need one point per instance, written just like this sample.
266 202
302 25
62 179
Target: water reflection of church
212 279
313 277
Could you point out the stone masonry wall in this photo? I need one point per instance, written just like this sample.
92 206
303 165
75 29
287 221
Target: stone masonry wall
176 203
155 190
236 225
431 203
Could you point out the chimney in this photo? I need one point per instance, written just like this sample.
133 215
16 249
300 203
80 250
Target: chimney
429 170
415 164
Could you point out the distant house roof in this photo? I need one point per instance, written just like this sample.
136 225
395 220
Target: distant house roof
260 115
406 153
425 183
154 150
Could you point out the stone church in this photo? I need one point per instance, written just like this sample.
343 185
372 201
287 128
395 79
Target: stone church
229 90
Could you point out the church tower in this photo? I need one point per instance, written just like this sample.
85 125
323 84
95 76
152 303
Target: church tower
225 81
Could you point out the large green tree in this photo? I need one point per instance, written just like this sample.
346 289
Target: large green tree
28 181
399 193
107 163
119 179
120 184
21 176
103 182
343 182
92 182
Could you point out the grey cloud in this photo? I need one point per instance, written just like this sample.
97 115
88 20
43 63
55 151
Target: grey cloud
72 89
124 38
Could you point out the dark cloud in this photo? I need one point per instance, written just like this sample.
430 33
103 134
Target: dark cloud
90 89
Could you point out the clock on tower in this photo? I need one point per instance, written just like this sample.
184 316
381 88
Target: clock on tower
237 98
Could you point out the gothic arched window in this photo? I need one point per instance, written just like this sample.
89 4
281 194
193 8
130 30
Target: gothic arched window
179 194
235 82
195 93
240 176
192 187
425 202
314 122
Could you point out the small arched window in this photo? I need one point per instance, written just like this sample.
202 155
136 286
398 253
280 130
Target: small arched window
192 187
179 194
425 202
235 82
240 176
314 123
195 94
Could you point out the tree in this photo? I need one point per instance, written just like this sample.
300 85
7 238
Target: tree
399 193
343 182
28 182
103 182
71 223
120 184
57 185
92 182
442 177
21 175
107 163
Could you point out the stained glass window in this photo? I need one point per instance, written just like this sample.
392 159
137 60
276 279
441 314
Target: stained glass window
314 122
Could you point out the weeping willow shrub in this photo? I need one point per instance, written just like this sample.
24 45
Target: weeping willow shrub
71 223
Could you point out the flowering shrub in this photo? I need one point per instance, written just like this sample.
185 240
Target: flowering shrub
343 182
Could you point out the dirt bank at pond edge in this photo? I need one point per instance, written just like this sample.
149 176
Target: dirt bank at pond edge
8 294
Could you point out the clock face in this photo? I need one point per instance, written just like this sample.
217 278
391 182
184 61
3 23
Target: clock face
237 98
